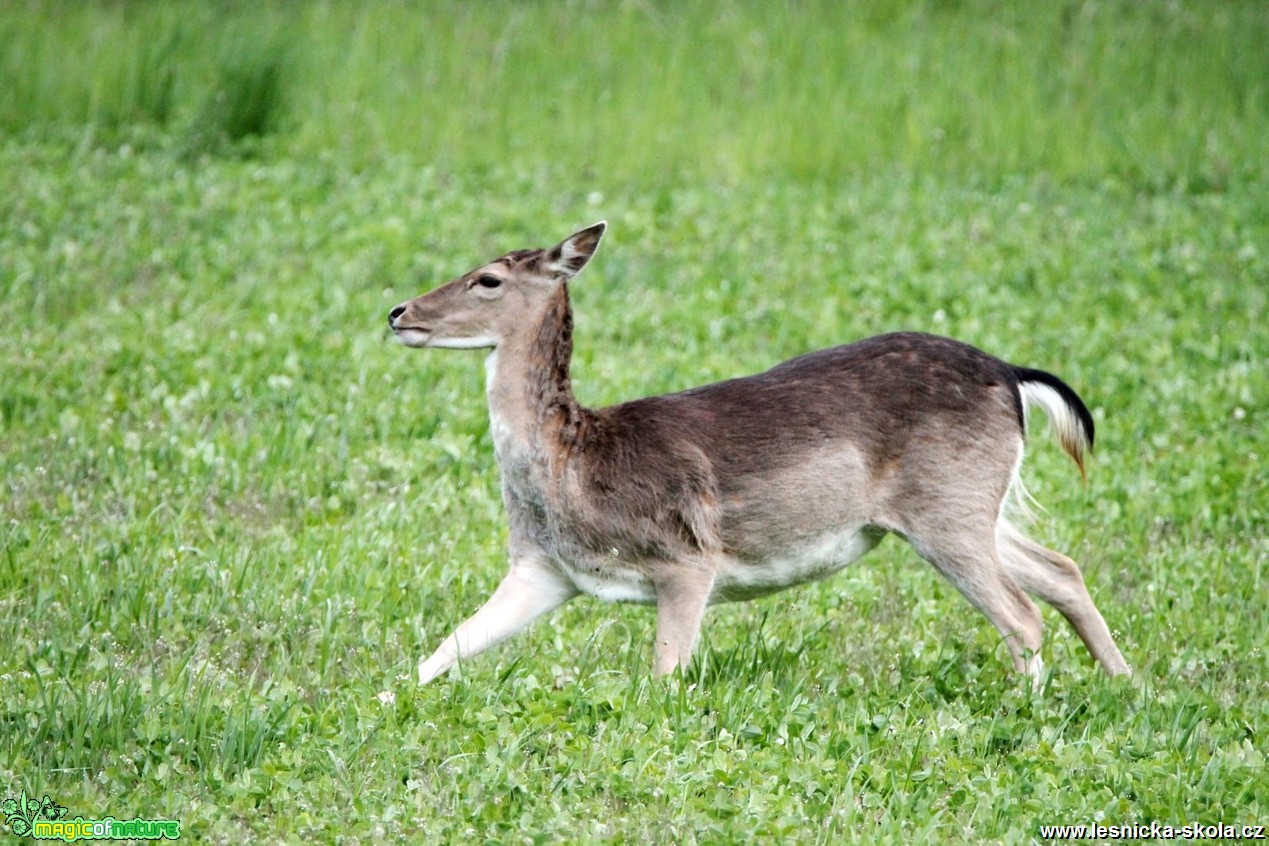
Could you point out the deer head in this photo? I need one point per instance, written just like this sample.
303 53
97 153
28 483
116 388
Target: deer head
496 301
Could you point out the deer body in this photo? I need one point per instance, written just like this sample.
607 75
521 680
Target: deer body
745 487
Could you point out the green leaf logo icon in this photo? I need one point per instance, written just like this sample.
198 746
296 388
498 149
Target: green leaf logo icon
21 813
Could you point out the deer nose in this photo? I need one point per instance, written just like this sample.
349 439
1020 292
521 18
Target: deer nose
394 314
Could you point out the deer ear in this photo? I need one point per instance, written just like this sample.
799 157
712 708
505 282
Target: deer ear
568 257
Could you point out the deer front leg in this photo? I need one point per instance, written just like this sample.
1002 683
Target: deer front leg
681 600
528 591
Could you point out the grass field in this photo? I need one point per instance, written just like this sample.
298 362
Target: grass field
232 511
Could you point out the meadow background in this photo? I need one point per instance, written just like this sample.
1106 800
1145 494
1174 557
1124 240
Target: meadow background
232 511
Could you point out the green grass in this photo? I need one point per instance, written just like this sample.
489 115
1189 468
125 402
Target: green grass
232 511
1151 93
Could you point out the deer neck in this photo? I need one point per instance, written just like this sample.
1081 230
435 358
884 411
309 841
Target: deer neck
533 413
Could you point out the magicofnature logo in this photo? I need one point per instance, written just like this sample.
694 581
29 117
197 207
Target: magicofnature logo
46 820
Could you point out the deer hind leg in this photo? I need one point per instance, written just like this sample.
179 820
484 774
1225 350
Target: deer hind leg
1057 580
969 560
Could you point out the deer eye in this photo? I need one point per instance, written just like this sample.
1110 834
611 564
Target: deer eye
488 281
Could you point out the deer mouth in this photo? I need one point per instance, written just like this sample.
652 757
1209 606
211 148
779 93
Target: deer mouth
412 336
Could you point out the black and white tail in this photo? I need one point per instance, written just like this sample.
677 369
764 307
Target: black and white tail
1071 420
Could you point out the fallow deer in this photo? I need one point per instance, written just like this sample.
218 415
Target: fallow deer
744 487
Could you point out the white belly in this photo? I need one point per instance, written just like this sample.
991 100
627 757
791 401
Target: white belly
614 584
737 580
814 559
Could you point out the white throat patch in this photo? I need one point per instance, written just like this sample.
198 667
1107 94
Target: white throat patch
498 428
